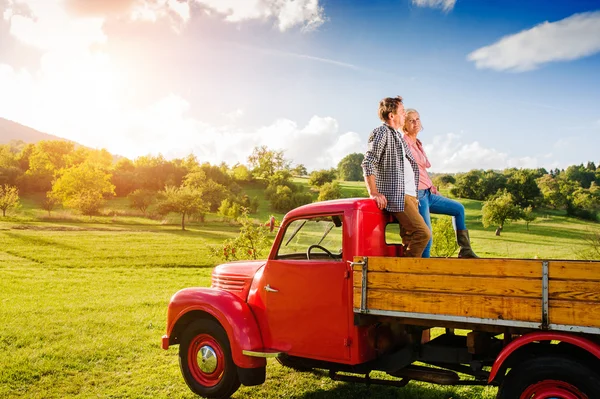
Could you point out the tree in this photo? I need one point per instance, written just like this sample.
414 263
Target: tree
444 238
299 170
49 202
9 166
83 187
124 177
46 159
592 246
9 198
212 192
251 243
330 191
443 180
521 183
141 199
186 201
528 216
349 168
265 162
320 177
468 185
241 173
498 210
551 191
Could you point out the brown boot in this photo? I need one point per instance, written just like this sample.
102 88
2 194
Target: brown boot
462 238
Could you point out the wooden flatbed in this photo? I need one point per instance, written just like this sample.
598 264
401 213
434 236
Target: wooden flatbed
557 295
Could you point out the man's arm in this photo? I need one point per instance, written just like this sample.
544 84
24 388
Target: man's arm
373 193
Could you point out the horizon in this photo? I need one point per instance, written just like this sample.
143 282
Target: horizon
497 85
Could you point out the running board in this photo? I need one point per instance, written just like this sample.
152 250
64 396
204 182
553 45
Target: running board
262 353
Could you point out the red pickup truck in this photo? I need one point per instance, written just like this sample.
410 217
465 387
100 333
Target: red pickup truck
335 293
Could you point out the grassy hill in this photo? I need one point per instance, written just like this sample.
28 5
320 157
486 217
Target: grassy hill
10 130
85 300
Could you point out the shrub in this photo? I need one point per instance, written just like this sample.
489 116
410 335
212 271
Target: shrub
444 238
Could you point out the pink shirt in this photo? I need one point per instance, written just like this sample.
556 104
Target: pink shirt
419 154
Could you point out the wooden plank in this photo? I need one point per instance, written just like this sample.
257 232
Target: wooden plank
574 270
572 313
488 307
454 266
574 290
474 285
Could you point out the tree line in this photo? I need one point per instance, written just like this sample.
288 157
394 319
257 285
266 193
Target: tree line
515 193
82 179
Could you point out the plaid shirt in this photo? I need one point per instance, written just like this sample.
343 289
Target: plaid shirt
385 160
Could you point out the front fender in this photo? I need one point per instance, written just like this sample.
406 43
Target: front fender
229 310
581 342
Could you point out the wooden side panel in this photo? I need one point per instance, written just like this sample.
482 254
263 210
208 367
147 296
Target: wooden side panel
574 270
574 290
574 293
479 306
497 289
455 266
575 313
436 283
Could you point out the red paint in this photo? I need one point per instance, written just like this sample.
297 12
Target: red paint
576 340
549 389
231 312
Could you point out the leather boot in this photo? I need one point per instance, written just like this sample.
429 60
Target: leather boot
462 238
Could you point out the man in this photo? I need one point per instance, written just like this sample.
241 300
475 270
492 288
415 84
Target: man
391 175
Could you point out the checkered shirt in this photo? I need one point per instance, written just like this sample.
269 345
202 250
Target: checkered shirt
385 160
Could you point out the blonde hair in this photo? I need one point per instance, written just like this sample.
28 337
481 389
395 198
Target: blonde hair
407 112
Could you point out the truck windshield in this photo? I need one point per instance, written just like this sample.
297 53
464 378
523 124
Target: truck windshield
324 232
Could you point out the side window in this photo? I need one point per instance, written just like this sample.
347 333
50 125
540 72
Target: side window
392 233
313 238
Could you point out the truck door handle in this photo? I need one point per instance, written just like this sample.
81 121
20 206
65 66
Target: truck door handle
269 289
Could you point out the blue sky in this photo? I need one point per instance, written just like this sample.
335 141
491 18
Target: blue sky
498 83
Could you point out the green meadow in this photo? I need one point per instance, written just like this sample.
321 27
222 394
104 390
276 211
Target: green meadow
84 300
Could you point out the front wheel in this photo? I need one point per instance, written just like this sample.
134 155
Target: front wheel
550 377
205 360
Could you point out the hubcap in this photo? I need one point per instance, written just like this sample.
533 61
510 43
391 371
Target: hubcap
207 359
552 389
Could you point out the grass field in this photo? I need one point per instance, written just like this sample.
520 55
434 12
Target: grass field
83 302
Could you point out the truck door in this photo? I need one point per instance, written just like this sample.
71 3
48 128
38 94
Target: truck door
307 291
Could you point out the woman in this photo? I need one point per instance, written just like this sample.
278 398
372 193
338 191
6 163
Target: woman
430 201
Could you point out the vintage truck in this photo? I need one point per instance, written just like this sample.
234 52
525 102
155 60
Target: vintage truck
335 293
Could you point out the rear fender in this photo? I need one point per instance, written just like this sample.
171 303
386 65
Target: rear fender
230 311
582 343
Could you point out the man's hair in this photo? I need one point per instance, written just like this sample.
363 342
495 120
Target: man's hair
388 106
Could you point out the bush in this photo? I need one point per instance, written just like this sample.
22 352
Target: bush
252 243
444 238
330 191
320 177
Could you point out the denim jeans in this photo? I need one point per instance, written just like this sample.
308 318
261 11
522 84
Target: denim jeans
434 203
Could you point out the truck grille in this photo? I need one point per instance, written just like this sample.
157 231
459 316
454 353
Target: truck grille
229 283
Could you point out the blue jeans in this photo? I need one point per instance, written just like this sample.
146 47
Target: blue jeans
434 203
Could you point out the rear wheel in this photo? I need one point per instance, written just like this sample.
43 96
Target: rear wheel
550 377
205 360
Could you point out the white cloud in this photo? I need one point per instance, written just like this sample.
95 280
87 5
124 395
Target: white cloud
445 5
448 153
571 38
288 13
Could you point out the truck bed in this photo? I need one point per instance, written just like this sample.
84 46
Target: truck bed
555 295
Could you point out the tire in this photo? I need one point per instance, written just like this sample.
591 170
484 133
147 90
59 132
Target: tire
216 376
550 377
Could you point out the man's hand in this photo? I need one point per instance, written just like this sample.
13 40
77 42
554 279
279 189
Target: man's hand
380 200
